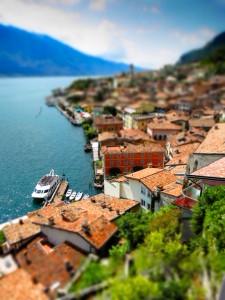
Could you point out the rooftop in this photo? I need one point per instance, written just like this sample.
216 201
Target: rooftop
143 173
181 153
22 230
213 170
173 189
162 178
146 146
101 120
19 285
53 264
214 143
206 122
164 125
74 219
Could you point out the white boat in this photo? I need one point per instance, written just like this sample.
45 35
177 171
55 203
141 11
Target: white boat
85 196
68 193
46 186
72 196
78 196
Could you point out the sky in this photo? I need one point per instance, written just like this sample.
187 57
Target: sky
147 33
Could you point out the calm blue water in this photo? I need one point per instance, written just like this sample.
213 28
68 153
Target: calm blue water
32 144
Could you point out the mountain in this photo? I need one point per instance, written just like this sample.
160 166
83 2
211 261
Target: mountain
24 53
210 52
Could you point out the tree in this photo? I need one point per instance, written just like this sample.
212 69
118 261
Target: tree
134 226
114 171
110 110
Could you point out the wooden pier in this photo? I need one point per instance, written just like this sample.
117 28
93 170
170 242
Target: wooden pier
58 194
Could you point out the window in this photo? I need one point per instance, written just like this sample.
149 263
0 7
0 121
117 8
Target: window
149 193
149 161
142 162
125 170
142 154
150 154
126 162
111 163
118 155
131 162
118 163
143 190
126 155
131 154
142 202
149 207
111 155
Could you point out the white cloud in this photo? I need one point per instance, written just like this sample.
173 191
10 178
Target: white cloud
97 4
193 39
207 32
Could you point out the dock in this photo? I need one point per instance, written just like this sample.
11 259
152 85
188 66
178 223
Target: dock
58 194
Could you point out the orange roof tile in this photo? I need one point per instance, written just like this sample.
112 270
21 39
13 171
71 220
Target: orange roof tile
101 120
100 229
164 125
106 136
143 173
215 170
181 153
160 178
173 189
18 285
207 122
146 146
20 231
214 143
49 267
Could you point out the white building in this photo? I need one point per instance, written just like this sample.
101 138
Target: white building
142 186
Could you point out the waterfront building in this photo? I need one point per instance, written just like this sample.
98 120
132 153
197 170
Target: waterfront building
107 123
143 186
131 157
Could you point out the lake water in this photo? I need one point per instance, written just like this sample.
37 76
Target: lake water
36 138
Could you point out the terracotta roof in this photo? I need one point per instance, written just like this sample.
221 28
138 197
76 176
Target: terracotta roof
173 189
184 137
143 173
181 153
49 266
177 170
20 231
215 170
160 178
73 219
146 146
18 285
104 136
105 205
120 179
101 120
164 125
207 122
214 143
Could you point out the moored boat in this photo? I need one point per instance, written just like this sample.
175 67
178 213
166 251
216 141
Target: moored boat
68 193
72 196
85 196
79 196
87 147
46 186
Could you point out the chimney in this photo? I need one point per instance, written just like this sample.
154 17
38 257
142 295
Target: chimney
51 221
86 229
21 221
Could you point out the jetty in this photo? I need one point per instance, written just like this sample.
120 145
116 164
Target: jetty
58 194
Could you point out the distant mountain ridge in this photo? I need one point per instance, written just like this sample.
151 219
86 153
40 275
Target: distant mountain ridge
23 53
210 50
